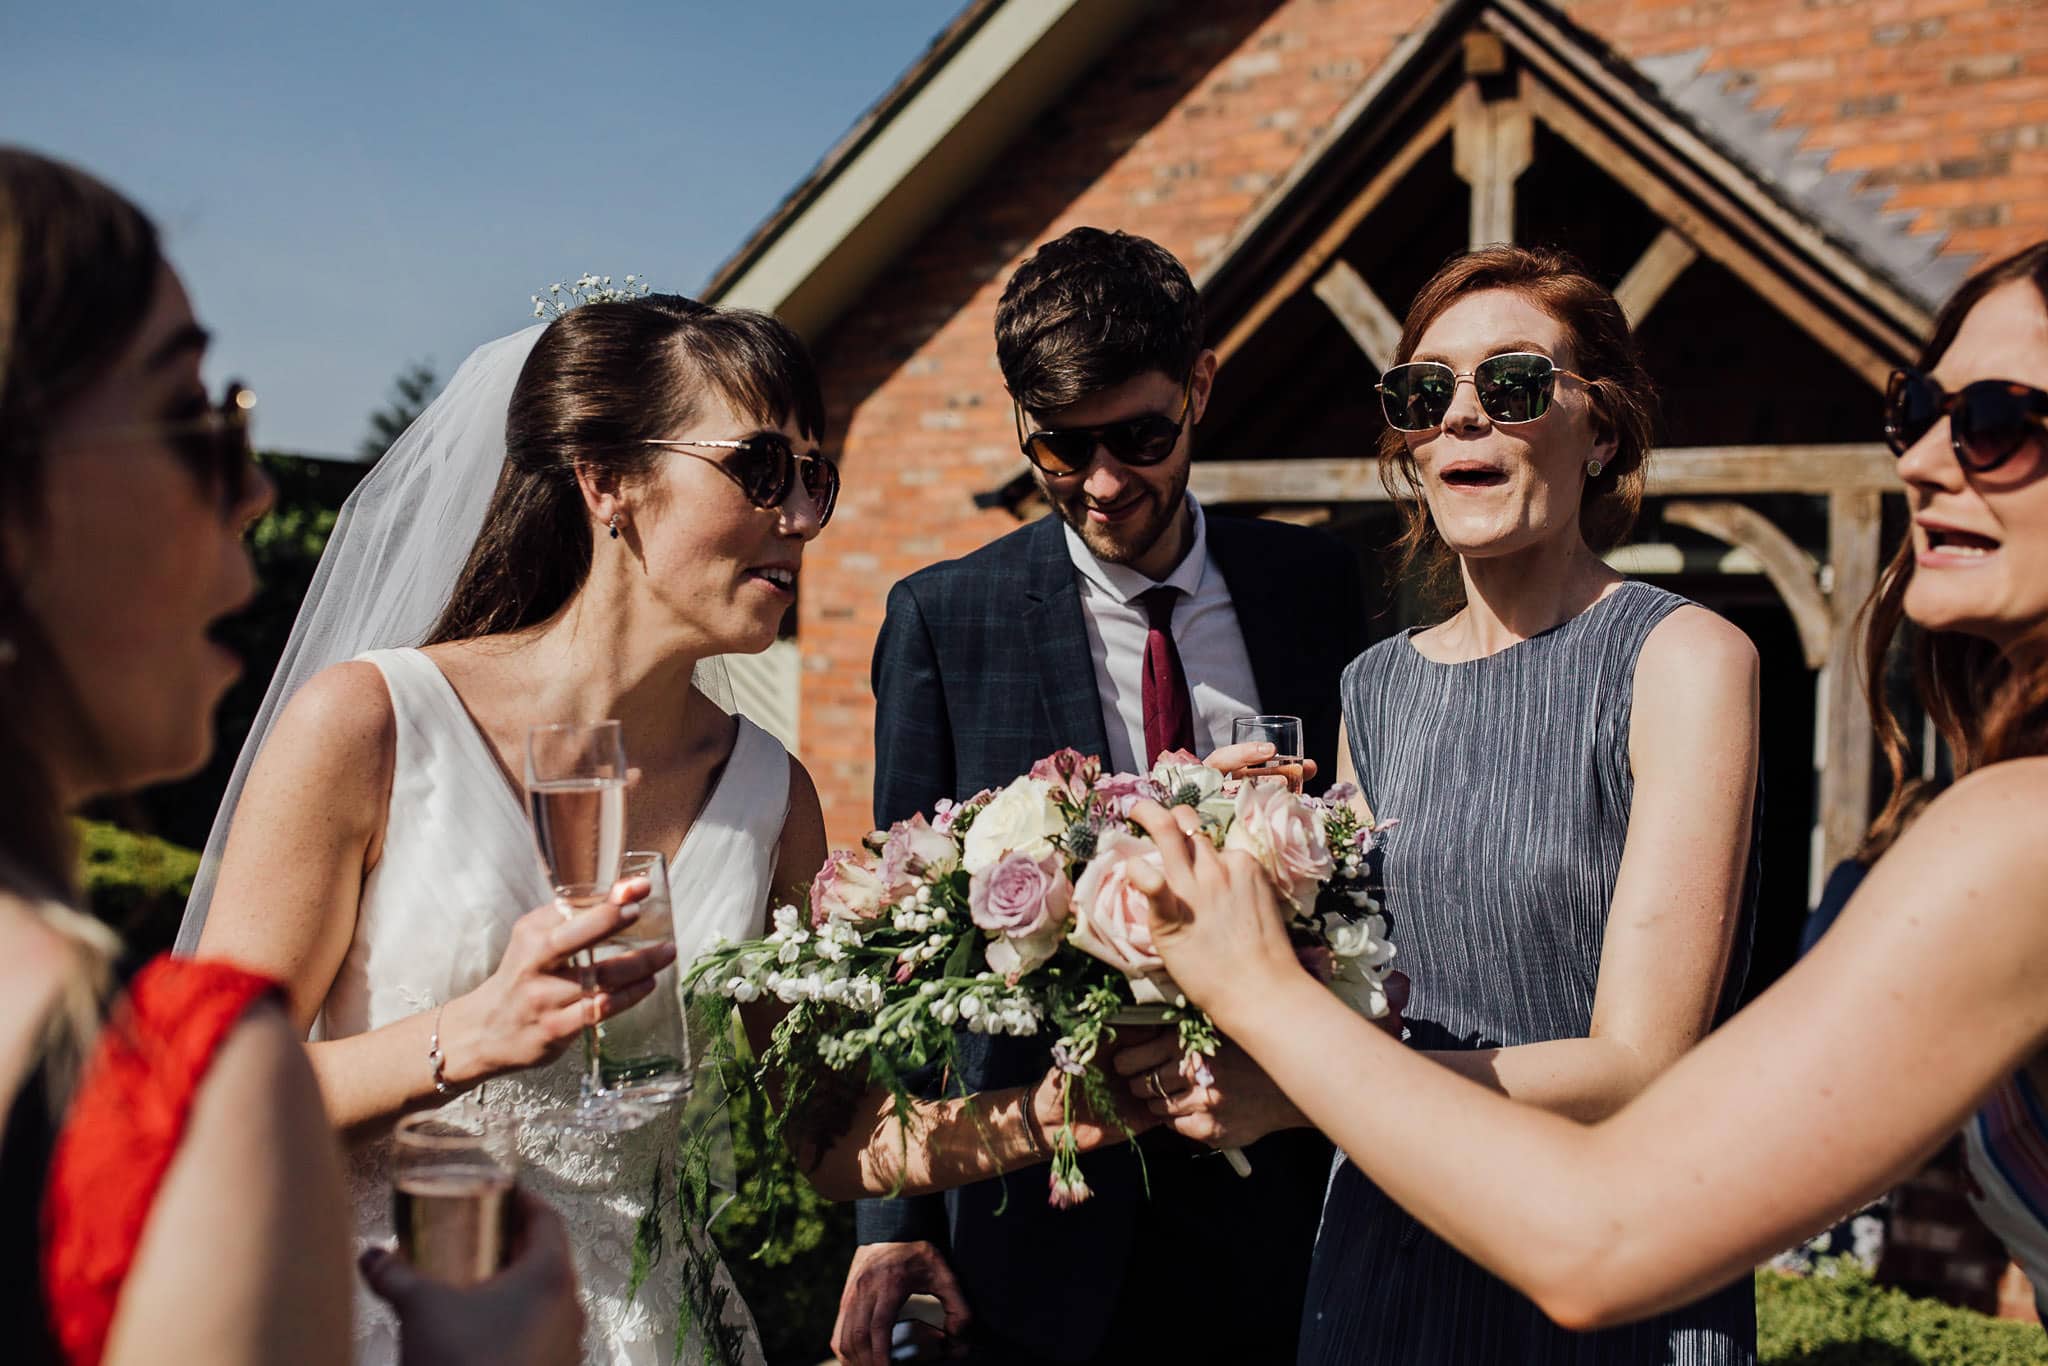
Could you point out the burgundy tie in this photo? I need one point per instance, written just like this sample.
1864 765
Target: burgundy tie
1169 716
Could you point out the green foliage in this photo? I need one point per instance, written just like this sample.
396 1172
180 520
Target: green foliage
135 883
786 1246
1840 1317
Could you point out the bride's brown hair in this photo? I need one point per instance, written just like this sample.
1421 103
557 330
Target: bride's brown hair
1984 707
601 381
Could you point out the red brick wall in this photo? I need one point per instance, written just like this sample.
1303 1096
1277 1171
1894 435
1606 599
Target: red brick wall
1181 132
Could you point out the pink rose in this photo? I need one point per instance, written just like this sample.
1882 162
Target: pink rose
1110 914
846 889
1024 901
1119 792
1283 833
1070 772
910 851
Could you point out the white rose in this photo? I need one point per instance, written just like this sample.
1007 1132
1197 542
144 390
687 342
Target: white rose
1019 819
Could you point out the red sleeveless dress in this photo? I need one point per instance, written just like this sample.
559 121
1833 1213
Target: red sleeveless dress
121 1131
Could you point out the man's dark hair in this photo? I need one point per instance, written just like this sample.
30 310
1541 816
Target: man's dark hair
1089 311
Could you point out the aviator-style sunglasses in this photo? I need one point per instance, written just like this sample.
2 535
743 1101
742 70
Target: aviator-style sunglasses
1515 386
1137 441
767 467
1989 421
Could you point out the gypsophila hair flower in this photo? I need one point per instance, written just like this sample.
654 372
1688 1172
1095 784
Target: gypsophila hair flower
588 289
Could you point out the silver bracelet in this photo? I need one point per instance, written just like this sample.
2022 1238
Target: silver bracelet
435 1056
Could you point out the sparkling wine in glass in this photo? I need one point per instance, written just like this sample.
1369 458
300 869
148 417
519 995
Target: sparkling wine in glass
644 1052
576 779
1283 733
452 1179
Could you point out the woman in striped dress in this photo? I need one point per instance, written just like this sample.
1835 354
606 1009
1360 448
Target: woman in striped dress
1573 760
1923 1005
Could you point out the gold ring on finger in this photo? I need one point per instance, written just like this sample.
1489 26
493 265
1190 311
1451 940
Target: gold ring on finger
1157 1089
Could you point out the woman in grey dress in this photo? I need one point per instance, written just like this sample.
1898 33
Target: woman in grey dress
1923 1002
1572 758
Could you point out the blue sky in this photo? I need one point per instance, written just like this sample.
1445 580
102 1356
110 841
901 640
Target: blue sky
350 186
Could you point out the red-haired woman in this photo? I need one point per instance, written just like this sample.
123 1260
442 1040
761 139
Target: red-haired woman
1573 760
1923 1009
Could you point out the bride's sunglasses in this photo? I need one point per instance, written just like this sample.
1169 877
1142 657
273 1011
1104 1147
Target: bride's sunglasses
1137 441
1515 386
1989 421
766 467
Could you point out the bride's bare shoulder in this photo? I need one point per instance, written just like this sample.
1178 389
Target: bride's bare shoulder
345 706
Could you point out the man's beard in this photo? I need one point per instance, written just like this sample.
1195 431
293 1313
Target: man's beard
1128 541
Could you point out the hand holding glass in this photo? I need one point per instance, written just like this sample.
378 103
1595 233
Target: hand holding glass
576 779
452 1177
1281 732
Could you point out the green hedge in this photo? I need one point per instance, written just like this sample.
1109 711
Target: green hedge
135 883
1840 1317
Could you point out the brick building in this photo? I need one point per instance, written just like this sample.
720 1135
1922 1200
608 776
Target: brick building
1782 191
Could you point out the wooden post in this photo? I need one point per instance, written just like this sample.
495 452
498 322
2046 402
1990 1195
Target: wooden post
1491 145
1842 737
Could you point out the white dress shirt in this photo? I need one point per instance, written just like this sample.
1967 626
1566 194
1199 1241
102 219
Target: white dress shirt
1205 631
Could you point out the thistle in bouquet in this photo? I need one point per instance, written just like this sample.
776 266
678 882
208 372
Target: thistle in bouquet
1015 912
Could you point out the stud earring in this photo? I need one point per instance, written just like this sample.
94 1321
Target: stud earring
1593 468
615 526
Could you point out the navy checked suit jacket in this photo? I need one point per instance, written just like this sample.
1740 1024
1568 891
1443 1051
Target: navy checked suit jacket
982 668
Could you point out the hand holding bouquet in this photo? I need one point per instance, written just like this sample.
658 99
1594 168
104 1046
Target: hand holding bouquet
1024 911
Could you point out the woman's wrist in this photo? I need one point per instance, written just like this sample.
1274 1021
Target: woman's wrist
463 1062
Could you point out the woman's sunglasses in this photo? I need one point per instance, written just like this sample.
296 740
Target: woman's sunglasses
213 443
1137 441
1516 386
767 467
1989 421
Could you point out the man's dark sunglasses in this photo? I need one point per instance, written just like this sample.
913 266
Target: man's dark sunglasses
767 467
1138 441
1989 422
1516 386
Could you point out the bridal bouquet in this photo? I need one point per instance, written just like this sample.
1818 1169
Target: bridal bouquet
1013 912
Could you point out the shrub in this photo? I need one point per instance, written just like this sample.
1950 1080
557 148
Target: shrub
791 1275
135 883
1840 1317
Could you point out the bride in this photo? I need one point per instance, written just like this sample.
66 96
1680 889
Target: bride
615 498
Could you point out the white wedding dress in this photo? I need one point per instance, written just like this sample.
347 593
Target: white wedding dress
458 867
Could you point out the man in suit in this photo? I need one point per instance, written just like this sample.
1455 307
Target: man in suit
1130 622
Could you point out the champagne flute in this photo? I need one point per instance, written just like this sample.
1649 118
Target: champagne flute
644 1052
576 795
1283 733
452 1176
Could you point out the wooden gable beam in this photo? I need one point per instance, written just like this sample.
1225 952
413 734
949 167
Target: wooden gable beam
1309 265
1689 471
1655 271
1369 321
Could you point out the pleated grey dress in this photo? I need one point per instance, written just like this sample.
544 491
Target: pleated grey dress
1510 777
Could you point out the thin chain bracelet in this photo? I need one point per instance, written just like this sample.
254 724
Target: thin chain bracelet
435 1056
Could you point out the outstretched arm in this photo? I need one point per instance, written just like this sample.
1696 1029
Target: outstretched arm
1815 1098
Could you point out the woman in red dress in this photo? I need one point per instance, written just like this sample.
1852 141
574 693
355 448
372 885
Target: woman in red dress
169 1188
